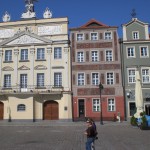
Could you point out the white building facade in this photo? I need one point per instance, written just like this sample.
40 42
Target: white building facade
35 70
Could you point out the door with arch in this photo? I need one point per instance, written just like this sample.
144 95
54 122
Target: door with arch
51 110
1 110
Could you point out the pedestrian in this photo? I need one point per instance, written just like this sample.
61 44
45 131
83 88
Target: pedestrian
94 126
90 133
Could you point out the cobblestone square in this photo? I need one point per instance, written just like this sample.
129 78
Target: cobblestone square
69 136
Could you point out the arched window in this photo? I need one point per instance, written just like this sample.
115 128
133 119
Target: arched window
21 107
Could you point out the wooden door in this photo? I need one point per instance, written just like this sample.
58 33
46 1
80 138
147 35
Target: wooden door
51 110
1 110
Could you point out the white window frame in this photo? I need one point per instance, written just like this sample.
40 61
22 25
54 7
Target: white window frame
108 57
24 54
145 75
95 78
40 53
82 80
110 80
111 103
80 56
57 79
57 52
135 35
79 38
109 36
94 37
40 79
7 80
145 51
130 50
96 105
131 78
23 80
8 55
94 58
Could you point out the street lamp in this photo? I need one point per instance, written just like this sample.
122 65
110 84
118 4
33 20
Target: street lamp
100 91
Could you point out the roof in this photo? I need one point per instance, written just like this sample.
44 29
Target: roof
93 24
135 20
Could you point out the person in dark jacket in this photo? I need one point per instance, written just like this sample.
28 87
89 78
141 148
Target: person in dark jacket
90 132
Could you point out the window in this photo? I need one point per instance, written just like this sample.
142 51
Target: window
108 36
40 79
131 52
80 79
21 107
111 105
94 56
131 76
80 56
110 78
108 55
94 36
40 53
57 53
24 54
58 79
135 35
7 81
96 105
95 78
8 55
23 80
80 37
144 51
145 75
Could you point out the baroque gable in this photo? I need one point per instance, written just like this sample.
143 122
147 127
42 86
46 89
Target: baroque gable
23 68
25 38
7 68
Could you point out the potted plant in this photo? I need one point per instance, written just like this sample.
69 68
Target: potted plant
133 121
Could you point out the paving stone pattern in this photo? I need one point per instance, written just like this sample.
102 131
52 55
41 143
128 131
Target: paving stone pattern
69 136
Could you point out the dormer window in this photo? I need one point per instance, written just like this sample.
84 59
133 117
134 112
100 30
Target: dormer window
135 35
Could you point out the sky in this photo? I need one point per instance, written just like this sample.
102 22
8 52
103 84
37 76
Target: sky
79 12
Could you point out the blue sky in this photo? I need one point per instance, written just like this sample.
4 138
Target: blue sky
110 12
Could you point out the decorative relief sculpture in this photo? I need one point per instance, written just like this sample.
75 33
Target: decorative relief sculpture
6 17
25 39
49 30
7 33
47 13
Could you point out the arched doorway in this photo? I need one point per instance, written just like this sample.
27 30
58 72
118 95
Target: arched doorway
51 110
1 110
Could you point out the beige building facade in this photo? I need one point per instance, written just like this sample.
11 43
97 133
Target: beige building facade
35 70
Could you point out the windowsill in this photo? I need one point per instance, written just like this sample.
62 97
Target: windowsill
7 61
55 87
5 88
23 60
40 60
40 87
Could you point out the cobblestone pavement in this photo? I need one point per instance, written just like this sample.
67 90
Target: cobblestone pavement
69 136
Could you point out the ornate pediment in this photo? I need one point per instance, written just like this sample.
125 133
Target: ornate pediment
7 68
23 68
40 67
25 39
